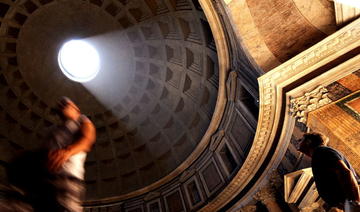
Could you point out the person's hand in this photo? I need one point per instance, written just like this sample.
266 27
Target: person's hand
57 158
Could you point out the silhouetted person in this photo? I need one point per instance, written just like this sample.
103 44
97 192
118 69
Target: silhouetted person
51 178
335 179
68 146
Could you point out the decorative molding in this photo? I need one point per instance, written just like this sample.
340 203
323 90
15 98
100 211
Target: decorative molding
181 199
186 175
310 101
211 162
188 195
234 153
216 139
156 201
271 91
151 195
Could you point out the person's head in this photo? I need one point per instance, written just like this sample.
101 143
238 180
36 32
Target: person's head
68 109
310 141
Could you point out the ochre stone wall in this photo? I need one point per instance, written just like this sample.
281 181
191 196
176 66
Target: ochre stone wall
341 126
274 31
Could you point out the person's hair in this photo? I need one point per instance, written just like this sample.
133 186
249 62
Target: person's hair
310 141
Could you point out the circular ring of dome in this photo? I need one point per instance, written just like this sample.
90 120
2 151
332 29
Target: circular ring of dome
159 76
79 60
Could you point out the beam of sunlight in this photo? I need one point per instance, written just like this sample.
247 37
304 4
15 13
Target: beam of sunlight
116 75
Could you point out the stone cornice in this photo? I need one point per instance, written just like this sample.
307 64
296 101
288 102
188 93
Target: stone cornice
301 106
274 124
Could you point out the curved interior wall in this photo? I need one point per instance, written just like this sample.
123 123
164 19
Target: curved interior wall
173 54
156 117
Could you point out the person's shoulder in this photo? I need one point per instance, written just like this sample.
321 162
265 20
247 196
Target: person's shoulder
328 152
326 149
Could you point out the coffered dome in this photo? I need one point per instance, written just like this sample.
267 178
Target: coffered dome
151 102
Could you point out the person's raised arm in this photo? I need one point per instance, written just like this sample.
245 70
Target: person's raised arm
58 157
85 142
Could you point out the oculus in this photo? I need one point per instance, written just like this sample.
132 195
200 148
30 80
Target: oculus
79 60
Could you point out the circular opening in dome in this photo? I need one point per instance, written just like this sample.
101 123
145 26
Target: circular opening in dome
79 60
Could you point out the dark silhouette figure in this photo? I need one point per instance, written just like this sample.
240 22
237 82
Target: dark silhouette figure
51 179
335 179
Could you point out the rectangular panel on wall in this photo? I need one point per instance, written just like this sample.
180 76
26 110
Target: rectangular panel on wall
247 103
227 157
193 192
175 202
211 177
154 206
241 132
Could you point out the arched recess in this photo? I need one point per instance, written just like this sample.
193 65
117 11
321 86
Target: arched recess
328 61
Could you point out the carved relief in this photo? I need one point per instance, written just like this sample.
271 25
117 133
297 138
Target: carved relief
330 48
310 101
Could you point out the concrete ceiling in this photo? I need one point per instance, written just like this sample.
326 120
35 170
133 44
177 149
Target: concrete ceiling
151 104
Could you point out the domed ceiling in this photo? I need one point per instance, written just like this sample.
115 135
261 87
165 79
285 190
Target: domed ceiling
151 102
